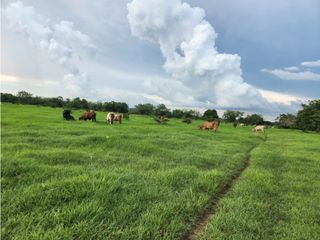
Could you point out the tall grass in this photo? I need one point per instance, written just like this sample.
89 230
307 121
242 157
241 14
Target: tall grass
278 196
84 180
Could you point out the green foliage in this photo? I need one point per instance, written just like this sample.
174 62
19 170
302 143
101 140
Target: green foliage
161 119
183 113
308 119
143 109
24 97
232 116
187 120
24 94
254 119
162 110
210 115
8 97
286 121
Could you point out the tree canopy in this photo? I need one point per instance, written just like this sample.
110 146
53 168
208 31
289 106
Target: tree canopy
210 115
232 116
308 119
254 119
286 121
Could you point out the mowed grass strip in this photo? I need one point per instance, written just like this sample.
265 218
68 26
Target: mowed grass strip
278 196
84 180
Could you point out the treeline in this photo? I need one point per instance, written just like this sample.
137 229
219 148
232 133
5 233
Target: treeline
238 117
162 110
24 97
307 119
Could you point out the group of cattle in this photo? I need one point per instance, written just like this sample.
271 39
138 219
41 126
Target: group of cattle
214 125
113 117
91 115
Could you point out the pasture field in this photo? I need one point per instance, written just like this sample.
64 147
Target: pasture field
142 180
278 196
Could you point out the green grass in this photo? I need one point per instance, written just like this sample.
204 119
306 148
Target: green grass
278 196
142 180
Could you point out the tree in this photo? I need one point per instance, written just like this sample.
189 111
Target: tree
177 113
286 121
308 119
162 110
254 119
24 94
232 116
8 97
210 115
24 97
76 103
144 109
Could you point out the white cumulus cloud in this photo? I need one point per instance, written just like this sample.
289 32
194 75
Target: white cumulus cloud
187 42
61 42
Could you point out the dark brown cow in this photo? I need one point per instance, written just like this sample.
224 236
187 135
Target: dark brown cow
89 115
214 125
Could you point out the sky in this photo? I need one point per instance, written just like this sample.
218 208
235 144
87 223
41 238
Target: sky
253 56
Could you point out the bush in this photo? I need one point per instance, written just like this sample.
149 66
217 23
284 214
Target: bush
187 120
161 119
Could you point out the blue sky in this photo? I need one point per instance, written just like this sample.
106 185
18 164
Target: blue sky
266 53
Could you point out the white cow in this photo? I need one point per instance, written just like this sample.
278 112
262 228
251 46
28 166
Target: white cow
259 128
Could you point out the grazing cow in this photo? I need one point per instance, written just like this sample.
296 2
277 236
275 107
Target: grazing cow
67 115
111 117
89 115
214 125
259 128
241 124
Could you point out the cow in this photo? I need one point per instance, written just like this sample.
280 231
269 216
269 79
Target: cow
241 124
111 117
67 115
259 128
214 125
89 115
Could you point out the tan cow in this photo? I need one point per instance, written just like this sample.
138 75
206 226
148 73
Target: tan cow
214 125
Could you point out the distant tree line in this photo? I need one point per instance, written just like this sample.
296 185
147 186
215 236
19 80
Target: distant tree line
24 97
237 116
307 119
162 110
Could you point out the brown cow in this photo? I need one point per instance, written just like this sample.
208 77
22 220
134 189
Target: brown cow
214 125
89 115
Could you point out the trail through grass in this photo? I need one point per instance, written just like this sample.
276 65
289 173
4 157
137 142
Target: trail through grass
278 196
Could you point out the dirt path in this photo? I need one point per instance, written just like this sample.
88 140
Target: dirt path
206 217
